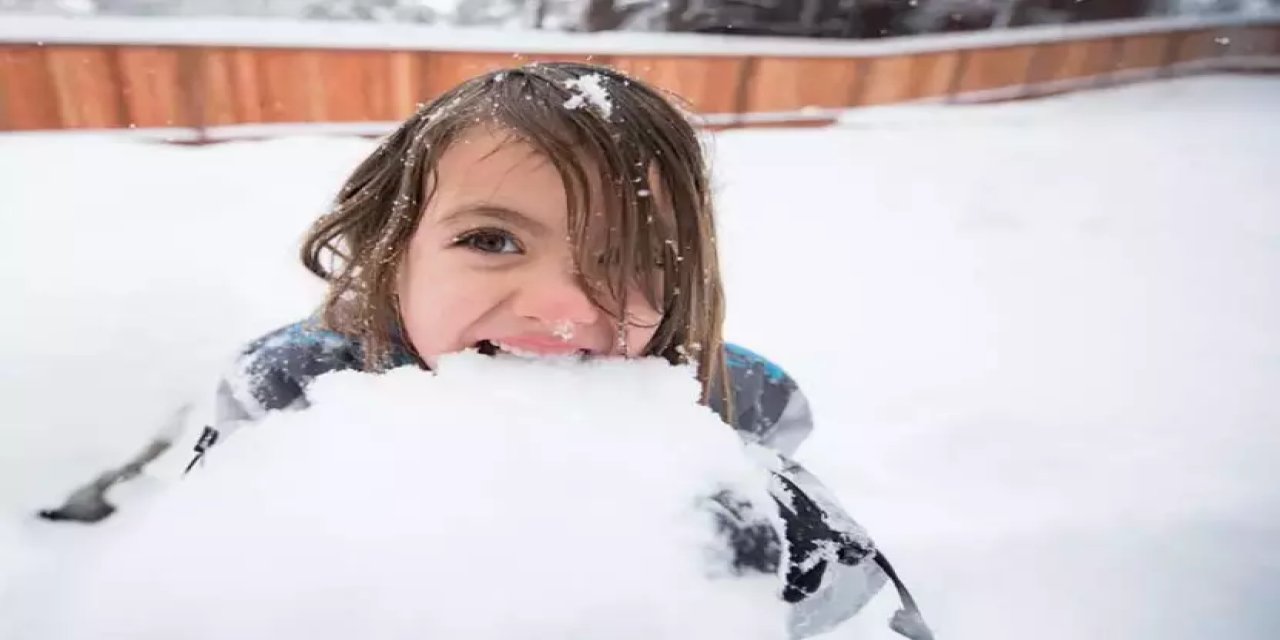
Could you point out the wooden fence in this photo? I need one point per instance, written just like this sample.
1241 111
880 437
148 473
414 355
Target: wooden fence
210 87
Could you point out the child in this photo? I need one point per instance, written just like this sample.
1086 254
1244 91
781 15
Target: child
555 209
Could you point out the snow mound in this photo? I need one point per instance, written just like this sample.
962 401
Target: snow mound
499 498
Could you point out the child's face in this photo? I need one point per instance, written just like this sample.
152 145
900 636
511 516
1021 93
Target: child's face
491 263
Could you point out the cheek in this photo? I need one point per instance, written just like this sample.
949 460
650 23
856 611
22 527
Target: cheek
438 303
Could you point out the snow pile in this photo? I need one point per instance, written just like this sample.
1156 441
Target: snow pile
501 499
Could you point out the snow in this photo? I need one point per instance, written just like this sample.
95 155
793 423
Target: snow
543 523
211 31
1039 340
563 330
589 91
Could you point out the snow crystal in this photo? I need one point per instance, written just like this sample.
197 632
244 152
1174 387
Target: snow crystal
498 499
563 330
589 91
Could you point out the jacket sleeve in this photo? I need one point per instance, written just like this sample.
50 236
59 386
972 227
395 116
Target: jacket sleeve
768 406
233 407
830 572
793 425
269 374
830 565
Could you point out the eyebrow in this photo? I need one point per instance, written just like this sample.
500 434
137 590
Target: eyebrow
500 213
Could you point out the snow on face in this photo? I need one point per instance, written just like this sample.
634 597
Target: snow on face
496 499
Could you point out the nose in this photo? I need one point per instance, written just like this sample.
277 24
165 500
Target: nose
554 296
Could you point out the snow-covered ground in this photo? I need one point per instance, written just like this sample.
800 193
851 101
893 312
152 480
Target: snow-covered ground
1040 339
495 498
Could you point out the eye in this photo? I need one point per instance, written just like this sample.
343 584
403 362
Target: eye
491 241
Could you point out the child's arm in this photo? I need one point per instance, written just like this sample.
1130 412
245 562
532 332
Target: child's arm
272 373
830 572
768 406
833 567
793 425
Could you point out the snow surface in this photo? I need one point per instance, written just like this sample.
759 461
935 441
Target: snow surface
500 499
1040 340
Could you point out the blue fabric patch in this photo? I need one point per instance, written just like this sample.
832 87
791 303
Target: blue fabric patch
738 357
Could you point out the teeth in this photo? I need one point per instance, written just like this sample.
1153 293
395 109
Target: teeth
533 355
516 351
491 348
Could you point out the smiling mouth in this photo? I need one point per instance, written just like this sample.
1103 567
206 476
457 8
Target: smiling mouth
491 348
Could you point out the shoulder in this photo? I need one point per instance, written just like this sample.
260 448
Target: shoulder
272 372
739 357
768 405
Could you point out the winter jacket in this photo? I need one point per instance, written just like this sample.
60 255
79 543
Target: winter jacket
831 569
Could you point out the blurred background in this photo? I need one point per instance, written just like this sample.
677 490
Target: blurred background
202 70
801 18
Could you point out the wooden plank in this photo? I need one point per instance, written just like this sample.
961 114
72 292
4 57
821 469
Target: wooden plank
1142 52
1199 45
405 85
1071 61
934 74
375 69
86 83
246 85
1249 41
229 88
358 86
893 79
345 86
215 87
1001 68
445 70
1266 41
290 85
28 100
791 84
706 85
152 88
388 91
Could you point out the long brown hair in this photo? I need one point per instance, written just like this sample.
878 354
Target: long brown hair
601 130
